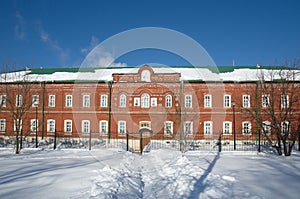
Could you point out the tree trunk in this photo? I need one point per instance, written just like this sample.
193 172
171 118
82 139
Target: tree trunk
17 143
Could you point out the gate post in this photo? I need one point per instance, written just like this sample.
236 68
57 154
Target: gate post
127 144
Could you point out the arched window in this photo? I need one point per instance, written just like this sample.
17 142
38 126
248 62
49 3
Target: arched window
168 101
145 76
122 100
145 100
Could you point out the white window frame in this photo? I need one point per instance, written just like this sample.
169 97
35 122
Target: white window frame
145 100
2 125
188 101
266 125
50 125
153 102
86 101
208 128
136 101
68 126
284 101
227 124
123 100
122 127
2 101
168 128
34 125
145 124
35 100
85 126
227 101
104 99
103 123
19 100
246 101
207 101
265 101
168 101
284 125
51 102
188 124
15 125
69 100
246 128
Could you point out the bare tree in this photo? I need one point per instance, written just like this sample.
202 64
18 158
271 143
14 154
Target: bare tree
276 109
16 89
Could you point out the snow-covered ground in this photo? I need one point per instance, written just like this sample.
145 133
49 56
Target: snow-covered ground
111 173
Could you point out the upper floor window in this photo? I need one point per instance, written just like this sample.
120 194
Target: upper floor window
168 101
145 76
2 125
51 102
246 101
122 100
246 127
168 128
85 125
285 127
35 100
153 102
227 128
188 101
227 101
86 100
68 100
19 101
188 128
121 127
266 127
265 101
103 127
136 101
207 101
284 101
145 100
104 100
68 126
208 128
33 125
51 126
2 101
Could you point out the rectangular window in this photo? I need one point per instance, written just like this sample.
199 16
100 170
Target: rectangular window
285 127
145 124
51 101
145 100
265 101
227 128
153 102
35 100
266 127
246 101
122 127
136 101
86 100
103 127
34 125
168 101
85 126
208 128
2 125
103 100
51 126
2 101
246 128
188 101
17 125
68 100
123 100
227 101
168 130
68 126
284 101
207 101
188 128
19 100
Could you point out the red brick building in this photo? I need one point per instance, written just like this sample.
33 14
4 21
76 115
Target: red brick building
195 102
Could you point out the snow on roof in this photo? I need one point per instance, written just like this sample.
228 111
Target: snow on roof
188 73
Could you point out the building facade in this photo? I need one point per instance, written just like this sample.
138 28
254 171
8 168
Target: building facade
173 102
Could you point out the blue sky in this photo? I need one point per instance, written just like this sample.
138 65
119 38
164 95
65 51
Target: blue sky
60 33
